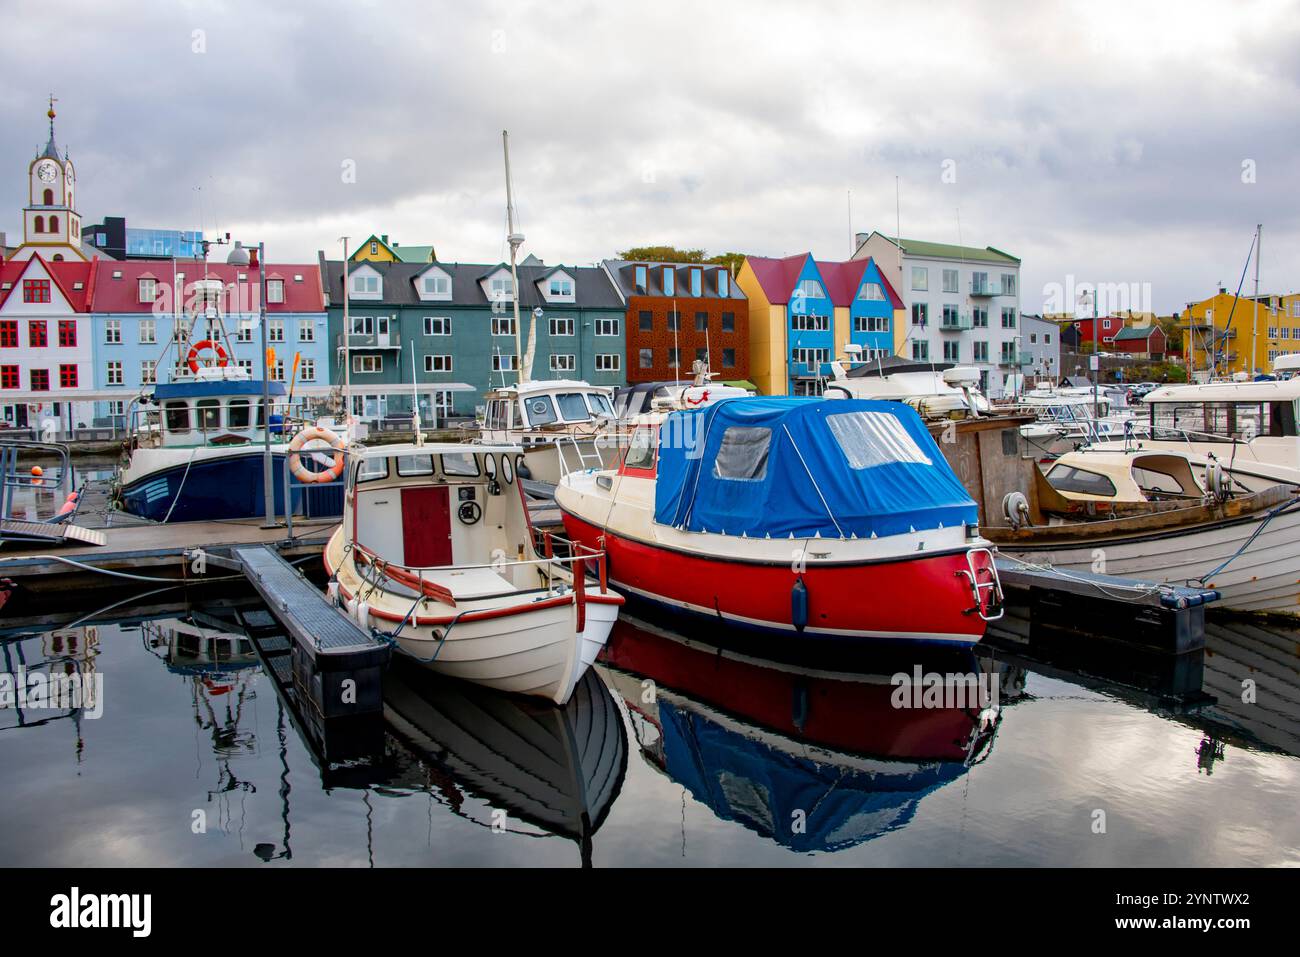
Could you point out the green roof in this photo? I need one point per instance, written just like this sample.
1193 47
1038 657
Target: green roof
1135 332
916 247
414 254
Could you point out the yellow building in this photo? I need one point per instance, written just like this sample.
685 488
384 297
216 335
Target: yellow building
1222 328
377 249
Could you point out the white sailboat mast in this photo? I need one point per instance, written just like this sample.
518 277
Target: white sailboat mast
515 240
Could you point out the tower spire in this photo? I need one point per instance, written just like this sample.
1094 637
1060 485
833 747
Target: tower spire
50 149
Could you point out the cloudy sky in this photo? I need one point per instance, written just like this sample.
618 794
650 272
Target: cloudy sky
1129 142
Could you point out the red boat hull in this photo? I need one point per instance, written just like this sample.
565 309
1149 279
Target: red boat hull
923 599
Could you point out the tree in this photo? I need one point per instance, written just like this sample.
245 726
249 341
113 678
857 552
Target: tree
671 254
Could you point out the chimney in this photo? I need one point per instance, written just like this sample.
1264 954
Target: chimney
859 239
384 238
252 257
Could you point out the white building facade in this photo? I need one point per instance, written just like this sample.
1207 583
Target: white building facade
962 305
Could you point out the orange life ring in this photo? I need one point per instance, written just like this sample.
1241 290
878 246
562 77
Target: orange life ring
202 345
301 472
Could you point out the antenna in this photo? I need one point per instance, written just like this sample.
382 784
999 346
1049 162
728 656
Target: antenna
515 240
852 246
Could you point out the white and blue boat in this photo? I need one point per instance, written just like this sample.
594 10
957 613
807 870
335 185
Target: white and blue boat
196 452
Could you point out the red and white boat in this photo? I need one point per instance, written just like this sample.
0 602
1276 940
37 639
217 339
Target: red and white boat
436 550
824 518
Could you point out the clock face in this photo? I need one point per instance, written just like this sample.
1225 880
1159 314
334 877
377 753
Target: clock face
47 172
67 173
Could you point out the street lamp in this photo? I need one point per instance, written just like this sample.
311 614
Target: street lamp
239 257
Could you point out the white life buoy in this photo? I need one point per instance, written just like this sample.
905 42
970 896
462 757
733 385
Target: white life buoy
310 434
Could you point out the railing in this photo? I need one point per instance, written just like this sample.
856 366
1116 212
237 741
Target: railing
983 289
372 340
955 324
13 481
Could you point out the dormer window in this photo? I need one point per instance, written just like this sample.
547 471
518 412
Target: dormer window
697 282
561 287
724 283
365 285
670 285
374 249
640 274
148 290
436 284
872 292
275 290
501 288
811 289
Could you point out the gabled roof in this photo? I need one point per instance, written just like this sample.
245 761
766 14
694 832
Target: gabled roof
623 272
778 276
65 276
414 254
1137 332
929 250
592 287
122 294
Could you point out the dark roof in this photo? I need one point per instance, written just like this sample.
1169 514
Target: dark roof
888 365
592 286
624 273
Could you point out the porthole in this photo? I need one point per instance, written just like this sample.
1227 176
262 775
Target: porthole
507 469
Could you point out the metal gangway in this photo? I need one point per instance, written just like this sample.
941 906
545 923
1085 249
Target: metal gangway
55 529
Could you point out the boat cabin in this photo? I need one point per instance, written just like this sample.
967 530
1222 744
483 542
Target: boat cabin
545 405
1121 477
441 505
182 414
1225 411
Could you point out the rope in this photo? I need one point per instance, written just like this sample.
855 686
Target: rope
816 488
109 571
1272 513
186 474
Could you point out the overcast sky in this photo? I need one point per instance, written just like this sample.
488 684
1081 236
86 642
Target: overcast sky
1100 141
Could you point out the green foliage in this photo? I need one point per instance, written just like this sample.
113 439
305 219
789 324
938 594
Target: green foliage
671 254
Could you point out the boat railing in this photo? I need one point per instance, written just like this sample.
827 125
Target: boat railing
36 479
285 419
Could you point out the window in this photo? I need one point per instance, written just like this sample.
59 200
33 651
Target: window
728 358
606 327
67 376
67 332
40 379
540 409
870 324
674 358
950 318
9 377
646 358
176 416
640 278
810 323
1047 338
1008 352
979 284
275 330
501 289
920 278
868 439
148 372
979 317
921 351
245 364
728 322
245 331
54 228
670 281
114 373
238 414
561 327
437 363
436 284
209 414
951 351
871 292
37 335
147 290
275 290
560 288
702 355
113 331
39 224
47 198
920 313
674 320
502 362
306 330
8 333
950 280
608 362
646 321
701 322
1008 317
36 290
147 331
724 283
1105 323
1272 332
640 450
365 285
572 407
374 249
437 325
742 456
367 364
810 357
1066 478
981 351
503 325
1008 284
307 370
277 371
562 363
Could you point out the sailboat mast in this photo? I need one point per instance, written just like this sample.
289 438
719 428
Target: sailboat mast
1254 326
515 240
347 346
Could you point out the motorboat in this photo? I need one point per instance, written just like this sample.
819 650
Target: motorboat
829 519
562 424
1068 417
935 391
436 551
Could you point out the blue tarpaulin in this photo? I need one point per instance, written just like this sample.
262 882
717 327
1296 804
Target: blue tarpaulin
803 467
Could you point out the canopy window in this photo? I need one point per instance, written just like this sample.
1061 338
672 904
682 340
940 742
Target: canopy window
742 456
870 439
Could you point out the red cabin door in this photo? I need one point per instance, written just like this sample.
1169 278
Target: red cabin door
426 526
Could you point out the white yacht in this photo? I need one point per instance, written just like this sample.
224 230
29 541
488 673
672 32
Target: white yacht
549 419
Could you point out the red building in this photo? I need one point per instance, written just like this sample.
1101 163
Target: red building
1148 341
711 321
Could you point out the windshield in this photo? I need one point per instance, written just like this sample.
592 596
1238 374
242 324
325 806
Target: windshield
541 411
572 407
599 404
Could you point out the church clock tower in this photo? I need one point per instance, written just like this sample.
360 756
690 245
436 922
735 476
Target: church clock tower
51 225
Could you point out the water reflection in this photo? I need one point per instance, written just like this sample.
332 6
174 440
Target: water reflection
813 760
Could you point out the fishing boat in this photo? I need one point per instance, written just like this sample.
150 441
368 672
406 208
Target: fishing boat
436 551
827 519
197 447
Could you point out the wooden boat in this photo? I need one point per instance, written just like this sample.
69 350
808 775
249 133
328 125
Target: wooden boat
827 519
436 550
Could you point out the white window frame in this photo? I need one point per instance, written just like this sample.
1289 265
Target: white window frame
113 373
432 363
564 362
431 324
113 332
561 326
607 327
306 330
147 332
367 365
274 291
608 362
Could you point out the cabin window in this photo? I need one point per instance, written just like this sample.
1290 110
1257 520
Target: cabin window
1067 478
490 465
177 416
572 407
238 415
1150 480
408 465
371 470
1178 418
459 464
209 414
743 453
508 468
541 411
640 451
868 439
599 404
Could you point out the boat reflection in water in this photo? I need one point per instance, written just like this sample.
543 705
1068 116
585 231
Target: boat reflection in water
554 768
815 760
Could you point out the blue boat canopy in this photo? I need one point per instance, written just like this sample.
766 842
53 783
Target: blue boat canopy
805 467
216 389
